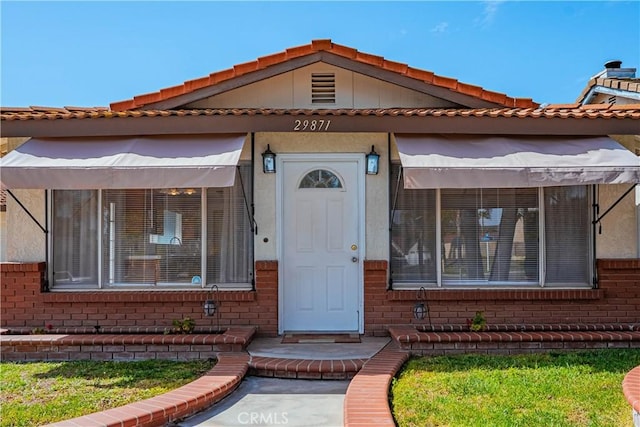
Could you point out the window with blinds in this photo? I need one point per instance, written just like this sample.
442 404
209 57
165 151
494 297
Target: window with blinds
154 237
567 227
413 235
490 236
229 236
75 246
151 236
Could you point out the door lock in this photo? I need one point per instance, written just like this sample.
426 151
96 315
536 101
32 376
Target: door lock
354 259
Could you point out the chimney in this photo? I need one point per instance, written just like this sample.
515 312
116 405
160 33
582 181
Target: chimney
613 70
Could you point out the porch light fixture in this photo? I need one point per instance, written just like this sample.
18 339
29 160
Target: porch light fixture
269 161
420 310
210 305
373 160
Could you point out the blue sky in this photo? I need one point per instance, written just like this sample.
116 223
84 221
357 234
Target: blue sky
93 53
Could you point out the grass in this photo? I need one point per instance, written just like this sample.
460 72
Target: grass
40 393
552 389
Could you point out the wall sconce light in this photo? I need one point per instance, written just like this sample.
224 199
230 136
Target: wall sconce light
210 305
420 309
269 161
373 160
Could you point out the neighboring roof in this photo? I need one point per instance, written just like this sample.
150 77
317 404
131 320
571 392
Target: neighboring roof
562 111
618 83
316 46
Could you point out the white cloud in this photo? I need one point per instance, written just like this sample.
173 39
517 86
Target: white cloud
489 12
440 28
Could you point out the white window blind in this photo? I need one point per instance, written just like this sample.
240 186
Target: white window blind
151 236
489 235
229 236
567 231
75 246
413 234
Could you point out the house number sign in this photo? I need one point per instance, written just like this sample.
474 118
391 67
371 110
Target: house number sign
311 125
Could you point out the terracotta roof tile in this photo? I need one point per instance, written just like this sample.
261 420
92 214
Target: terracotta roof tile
322 44
276 58
325 45
563 111
447 82
245 68
397 67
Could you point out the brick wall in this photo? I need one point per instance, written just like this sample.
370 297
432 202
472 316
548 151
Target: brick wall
23 305
617 300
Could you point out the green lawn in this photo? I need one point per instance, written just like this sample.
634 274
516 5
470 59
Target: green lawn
553 389
39 393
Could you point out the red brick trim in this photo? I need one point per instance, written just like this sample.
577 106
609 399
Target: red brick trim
510 342
6 267
618 264
498 294
366 402
631 388
305 368
176 404
137 296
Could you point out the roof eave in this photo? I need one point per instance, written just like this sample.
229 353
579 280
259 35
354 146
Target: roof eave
212 124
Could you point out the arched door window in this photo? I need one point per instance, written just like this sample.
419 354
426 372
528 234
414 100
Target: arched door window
320 178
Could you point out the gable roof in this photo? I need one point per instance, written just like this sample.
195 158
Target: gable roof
631 85
174 96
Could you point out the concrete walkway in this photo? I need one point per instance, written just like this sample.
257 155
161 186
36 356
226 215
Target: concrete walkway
276 402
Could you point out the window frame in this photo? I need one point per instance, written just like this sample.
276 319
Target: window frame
486 285
165 286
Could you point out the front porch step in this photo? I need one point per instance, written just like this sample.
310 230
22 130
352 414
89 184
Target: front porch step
307 369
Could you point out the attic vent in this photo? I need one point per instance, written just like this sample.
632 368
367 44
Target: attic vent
612 100
323 88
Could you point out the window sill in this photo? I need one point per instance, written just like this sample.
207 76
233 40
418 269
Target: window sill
497 294
137 295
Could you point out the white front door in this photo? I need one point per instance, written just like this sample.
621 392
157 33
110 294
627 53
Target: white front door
321 237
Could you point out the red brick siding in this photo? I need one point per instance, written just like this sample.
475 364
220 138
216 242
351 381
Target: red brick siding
23 305
616 301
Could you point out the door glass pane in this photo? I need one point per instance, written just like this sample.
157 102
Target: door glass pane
490 235
320 178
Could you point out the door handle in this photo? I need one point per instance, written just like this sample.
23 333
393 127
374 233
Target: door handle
354 259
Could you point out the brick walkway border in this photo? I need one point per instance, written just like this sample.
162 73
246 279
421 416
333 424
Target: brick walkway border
631 390
511 342
176 404
366 402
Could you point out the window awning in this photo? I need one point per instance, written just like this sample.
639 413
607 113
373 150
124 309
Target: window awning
443 161
137 162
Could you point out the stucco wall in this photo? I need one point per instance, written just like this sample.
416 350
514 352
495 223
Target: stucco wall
293 90
620 226
376 186
25 241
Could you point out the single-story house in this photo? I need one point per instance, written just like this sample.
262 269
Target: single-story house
321 189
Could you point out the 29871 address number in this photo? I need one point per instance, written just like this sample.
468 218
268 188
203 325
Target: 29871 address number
311 125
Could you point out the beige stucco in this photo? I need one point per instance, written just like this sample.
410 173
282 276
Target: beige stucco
376 186
25 241
293 90
620 226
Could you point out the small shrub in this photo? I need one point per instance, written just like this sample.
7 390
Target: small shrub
183 326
